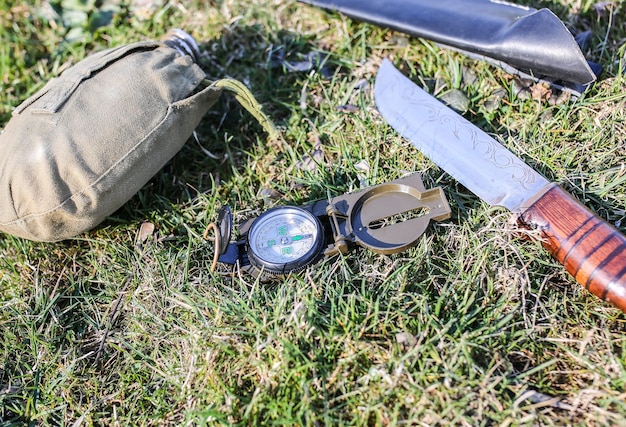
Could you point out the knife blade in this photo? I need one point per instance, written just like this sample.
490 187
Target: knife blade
591 250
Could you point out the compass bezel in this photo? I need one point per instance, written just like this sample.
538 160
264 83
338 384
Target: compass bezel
312 255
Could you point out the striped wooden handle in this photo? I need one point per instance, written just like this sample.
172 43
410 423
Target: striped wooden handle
591 250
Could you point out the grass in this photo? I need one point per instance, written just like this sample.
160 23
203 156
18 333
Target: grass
472 326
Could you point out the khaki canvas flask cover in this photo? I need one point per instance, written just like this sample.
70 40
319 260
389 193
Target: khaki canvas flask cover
83 145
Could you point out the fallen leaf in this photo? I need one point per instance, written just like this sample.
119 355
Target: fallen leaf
146 230
347 108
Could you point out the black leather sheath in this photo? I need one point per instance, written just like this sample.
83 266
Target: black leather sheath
524 41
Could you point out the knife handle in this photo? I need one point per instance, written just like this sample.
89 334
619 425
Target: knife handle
591 250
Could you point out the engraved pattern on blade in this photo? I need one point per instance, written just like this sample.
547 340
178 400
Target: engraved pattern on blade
467 153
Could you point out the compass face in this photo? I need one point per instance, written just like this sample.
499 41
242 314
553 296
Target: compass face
285 239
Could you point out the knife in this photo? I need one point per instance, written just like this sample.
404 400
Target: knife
591 250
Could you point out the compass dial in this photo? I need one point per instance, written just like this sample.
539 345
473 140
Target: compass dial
285 239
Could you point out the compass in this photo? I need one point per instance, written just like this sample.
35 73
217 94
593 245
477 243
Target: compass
386 218
285 239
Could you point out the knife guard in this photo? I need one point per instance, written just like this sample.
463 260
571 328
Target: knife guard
591 250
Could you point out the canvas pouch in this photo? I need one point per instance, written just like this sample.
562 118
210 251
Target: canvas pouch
83 145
